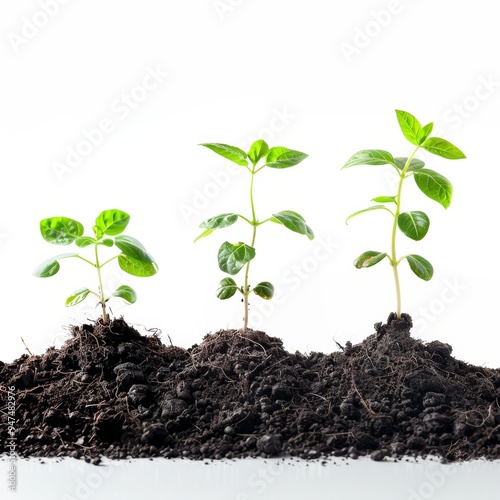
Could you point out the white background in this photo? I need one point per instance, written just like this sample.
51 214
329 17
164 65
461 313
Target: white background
320 77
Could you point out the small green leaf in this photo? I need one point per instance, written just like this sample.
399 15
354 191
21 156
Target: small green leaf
60 230
233 257
257 151
217 222
369 209
435 186
126 293
51 266
370 157
77 297
442 147
427 130
415 164
420 266
107 242
111 222
133 248
232 153
294 222
204 234
369 259
410 127
280 157
265 290
414 224
384 199
226 289
84 241
136 267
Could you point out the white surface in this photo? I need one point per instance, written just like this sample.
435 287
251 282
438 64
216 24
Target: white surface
256 479
232 71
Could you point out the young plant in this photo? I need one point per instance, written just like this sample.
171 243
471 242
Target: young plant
414 224
133 257
233 257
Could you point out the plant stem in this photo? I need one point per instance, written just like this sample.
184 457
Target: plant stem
394 260
101 288
255 223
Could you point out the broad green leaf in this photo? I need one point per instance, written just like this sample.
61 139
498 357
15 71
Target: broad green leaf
442 147
112 222
265 290
435 186
84 241
60 230
294 222
233 257
410 127
369 209
126 293
369 259
77 297
280 157
133 248
427 130
384 199
51 266
414 224
217 222
415 164
107 242
232 153
370 157
136 267
226 289
420 266
257 151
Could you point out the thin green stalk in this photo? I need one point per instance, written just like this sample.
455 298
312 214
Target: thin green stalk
394 261
101 288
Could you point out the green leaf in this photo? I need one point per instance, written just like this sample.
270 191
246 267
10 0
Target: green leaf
60 230
427 130
434 185
77 297
126 293
257 151
280 157
233 257
84 241
111 222
442 147
107 242
410 127
369 259
420 266
226 289
217 222
136 267
384 199
415 164
294 222
369 209
51 266
133 248
265 290
370 157
414 224
232 153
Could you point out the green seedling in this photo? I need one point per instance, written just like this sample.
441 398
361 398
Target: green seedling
133 257
233 257
413 224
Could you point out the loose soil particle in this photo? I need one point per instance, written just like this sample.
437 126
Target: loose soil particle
109 391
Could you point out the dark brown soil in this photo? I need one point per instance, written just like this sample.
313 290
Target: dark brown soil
111 392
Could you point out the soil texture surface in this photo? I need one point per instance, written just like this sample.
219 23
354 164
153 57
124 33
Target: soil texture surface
109 391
